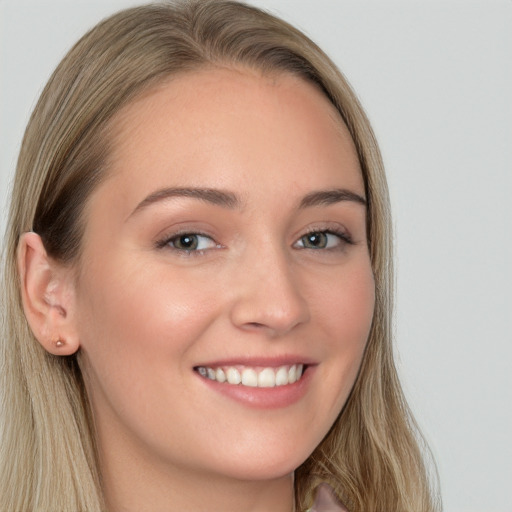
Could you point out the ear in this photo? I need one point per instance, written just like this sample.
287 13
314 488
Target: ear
48 295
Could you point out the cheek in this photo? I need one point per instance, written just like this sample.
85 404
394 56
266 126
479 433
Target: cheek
134 319
343 311
358 304
345 308
137 336
345 314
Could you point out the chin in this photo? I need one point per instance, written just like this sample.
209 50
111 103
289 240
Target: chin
265 466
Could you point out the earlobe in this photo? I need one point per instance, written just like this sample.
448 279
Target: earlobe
47 292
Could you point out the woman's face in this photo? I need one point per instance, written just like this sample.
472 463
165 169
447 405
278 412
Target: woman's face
227 243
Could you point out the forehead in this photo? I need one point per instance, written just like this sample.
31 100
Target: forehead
198 94
193 90
221 128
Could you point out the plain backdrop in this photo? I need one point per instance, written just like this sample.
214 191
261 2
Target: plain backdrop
435 78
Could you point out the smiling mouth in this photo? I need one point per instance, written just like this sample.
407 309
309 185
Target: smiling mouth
255 377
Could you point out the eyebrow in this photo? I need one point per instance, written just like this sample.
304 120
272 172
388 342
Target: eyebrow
328 197
208 195
229 200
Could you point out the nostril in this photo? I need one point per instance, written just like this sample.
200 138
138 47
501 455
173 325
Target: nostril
255 325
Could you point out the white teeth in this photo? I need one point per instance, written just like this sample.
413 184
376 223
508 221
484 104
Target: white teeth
292 374
267 378
249 378
254 377
282 376
233 376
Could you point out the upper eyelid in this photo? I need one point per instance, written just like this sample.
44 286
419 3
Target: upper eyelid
334 227
333 231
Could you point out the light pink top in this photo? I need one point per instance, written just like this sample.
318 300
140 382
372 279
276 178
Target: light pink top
326 501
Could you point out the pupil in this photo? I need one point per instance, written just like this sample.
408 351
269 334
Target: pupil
187 241
316 240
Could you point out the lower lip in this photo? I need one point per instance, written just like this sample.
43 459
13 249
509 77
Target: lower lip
264 398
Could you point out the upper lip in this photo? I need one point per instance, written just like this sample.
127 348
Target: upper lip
265 361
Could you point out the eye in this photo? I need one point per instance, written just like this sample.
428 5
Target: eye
189 242
323 240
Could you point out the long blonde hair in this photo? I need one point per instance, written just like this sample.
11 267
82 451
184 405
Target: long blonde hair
373 455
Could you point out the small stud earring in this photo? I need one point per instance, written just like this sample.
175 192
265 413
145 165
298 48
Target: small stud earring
59 343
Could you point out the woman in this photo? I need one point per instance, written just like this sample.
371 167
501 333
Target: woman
198 280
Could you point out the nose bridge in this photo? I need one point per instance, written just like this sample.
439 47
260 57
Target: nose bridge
267 290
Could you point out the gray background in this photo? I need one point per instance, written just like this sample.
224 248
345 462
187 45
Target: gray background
435 78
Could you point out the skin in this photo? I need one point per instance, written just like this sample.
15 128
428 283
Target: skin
145 314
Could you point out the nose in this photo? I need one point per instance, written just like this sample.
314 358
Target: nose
267 294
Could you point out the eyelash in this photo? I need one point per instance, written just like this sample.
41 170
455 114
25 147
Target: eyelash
166 242
344 238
